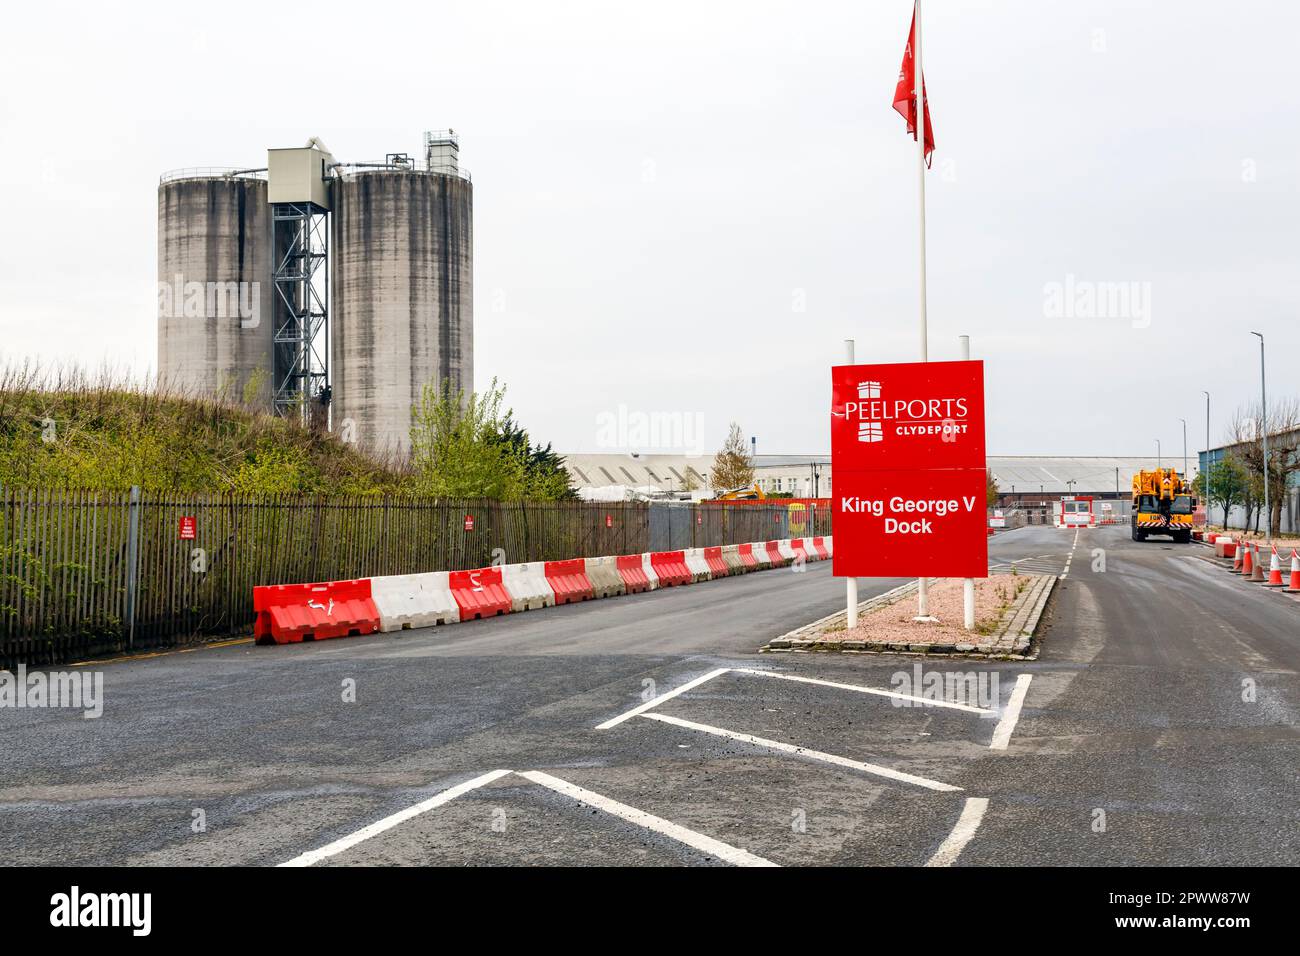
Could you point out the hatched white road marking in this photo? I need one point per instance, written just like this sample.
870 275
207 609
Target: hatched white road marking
805 752
614 721
705 844
1011 713
971 815
866 690
387 823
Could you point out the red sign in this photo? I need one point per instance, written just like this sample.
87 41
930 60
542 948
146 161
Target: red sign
189 529
469 522
910 415
609 521
907 451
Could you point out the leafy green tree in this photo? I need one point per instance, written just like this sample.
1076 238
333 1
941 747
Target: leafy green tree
469 446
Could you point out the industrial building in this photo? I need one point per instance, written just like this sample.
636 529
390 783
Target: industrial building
1023 480
324 290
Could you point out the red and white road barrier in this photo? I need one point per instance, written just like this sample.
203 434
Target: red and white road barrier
414 600
290 613
527 586
569 581
479 593
697 564
304 612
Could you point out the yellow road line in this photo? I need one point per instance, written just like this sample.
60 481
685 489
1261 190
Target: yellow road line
179 650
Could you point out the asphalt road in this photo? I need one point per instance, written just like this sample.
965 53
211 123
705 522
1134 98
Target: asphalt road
1133 745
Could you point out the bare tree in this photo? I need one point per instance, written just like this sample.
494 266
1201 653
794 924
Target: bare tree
732 465
1282 426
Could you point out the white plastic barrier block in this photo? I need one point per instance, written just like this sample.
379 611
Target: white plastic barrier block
414 600
649 571
527 586
604 577
759 550
787 552
829 545
696 564
731 557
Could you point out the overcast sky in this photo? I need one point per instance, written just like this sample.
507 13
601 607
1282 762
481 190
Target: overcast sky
684 208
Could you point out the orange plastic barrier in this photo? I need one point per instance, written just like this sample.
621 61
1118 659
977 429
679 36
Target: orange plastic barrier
820 547
631 568
713 558
774 554
747 556
290 613
479 593
569 581
670 567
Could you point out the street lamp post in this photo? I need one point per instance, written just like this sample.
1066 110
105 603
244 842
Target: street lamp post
1206 482
1263 435
1185 472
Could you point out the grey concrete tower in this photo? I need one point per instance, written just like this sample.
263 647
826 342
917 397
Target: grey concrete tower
402 309
215 302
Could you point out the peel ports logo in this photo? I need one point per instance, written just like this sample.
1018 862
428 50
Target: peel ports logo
877 417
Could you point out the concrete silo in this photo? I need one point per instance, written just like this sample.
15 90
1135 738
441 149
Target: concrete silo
402 312
215 296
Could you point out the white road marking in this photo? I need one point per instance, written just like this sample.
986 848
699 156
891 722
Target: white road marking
971 815
614 721
387 823
805 752
865 690
1011 714
705 844
1070 557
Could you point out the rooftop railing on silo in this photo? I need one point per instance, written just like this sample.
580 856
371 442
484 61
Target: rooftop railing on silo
212 172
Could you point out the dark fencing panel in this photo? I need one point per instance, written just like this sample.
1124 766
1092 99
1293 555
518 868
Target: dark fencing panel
66 585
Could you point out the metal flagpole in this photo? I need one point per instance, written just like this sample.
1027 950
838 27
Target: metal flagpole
850 583
922 595
968 585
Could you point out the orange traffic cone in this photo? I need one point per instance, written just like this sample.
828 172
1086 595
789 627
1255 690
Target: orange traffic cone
1274 571
1237 557
1257 572
1294 586
1246 564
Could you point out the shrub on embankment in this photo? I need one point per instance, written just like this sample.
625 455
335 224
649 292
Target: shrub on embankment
63 429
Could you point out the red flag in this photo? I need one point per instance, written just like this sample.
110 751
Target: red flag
905 97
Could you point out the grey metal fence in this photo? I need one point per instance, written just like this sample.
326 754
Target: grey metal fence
84 572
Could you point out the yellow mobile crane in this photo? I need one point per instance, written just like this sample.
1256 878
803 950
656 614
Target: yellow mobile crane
1162 504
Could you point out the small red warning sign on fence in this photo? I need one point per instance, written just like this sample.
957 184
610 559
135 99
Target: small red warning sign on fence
189 529
609 521
469 522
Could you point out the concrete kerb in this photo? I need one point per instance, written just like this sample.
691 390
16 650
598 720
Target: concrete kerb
1017 628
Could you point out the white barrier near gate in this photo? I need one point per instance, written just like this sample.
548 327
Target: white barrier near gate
604 577
527 586
696 564
649 570
414 600
787 552
761 558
